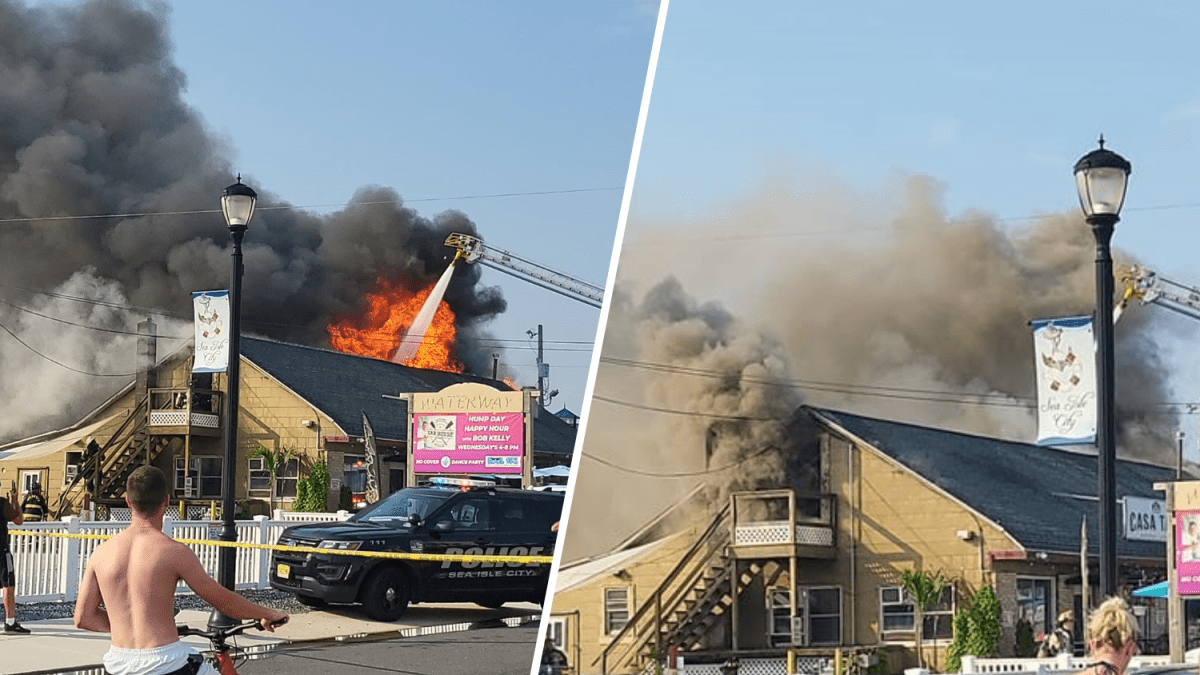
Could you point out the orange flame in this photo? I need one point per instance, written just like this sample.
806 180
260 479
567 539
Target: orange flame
391 309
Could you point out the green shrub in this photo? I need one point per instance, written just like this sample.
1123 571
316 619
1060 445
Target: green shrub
976 629
311 490
985 624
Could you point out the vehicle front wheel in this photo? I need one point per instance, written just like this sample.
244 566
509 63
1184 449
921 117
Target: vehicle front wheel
385 595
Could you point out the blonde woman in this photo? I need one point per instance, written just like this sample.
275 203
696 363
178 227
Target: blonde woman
1111 638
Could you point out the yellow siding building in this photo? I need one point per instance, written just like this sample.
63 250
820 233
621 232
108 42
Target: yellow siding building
877 498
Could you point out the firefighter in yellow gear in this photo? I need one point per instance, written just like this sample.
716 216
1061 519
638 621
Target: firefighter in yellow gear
33 508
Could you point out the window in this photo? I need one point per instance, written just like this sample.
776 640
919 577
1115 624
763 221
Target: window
616 609
260 478
939 619
285 479
898 614
556 632
205 474
819 613
472 514
355 473
1035 602
71 461
825 616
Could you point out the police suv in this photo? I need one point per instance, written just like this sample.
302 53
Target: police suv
442 519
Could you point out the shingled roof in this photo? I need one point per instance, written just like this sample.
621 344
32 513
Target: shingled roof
343 386
1038 494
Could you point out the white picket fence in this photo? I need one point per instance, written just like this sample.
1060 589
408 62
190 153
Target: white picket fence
50 568
1057 664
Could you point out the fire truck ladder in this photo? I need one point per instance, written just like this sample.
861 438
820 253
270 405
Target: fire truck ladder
472 249
1147 286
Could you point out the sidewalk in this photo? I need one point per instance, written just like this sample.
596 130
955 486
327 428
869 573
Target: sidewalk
56 645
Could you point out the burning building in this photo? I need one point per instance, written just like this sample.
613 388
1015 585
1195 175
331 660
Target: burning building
304 402
813 559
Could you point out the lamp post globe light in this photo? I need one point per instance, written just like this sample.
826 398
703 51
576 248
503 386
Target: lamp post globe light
237 203
1101 177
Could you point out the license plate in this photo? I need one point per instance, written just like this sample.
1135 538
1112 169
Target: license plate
283 571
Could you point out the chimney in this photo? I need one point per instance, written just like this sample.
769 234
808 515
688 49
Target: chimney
147 356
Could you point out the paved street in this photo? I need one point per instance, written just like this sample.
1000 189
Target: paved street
449 630
499 651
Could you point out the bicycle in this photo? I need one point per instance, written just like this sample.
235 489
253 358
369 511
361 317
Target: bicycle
222 657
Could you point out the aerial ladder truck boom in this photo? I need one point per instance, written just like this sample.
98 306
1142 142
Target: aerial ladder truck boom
472 249
1147 286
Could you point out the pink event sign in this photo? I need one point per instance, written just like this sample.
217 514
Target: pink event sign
483 442
1187 552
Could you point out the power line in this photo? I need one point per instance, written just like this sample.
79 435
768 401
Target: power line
488 342
291 207
675 411
681 474
832 387
60 363
895 393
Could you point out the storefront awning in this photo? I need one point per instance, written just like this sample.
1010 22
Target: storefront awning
1158 590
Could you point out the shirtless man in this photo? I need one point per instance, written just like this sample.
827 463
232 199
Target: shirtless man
134 574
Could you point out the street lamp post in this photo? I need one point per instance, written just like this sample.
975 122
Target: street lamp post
1101 177
237 202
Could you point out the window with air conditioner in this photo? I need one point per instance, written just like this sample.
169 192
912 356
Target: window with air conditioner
202 480
898 614
818 619
288 473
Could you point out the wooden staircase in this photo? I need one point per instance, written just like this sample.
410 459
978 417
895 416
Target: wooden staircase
130 447
692 599
708 603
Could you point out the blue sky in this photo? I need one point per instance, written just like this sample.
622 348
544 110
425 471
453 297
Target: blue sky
443 102
997 100
993 101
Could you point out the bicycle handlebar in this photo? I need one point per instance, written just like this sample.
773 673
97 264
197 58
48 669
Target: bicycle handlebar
220 633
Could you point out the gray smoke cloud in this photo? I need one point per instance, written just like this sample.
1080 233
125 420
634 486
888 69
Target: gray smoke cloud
669 352
839 291
92 121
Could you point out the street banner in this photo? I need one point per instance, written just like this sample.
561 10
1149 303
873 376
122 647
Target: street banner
1187 552
211 310
1065 356
372 495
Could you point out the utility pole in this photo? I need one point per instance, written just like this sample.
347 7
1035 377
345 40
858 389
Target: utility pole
1179 458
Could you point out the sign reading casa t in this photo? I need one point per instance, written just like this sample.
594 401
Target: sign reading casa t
1146 519
470 429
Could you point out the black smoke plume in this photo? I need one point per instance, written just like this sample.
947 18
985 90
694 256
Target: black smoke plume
92 122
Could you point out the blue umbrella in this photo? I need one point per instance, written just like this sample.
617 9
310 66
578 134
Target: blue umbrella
1158 590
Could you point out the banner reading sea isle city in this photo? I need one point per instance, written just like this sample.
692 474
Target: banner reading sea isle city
1065 352
211 309
481 442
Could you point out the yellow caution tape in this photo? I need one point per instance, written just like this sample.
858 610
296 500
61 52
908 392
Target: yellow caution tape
434 557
